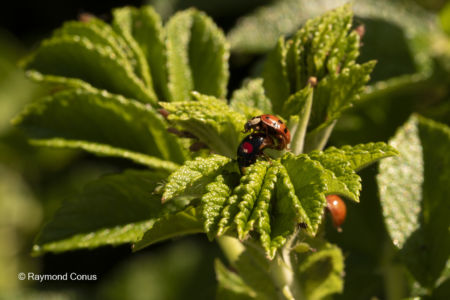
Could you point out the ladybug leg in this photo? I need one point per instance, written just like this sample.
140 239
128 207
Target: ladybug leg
268 143
281 143
266 157
284 144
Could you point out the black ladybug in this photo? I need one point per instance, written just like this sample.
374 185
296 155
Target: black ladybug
251 147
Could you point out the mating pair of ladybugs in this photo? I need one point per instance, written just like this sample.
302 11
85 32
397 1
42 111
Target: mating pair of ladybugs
268 131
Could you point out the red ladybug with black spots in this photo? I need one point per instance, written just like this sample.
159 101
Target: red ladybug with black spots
251 148
271 126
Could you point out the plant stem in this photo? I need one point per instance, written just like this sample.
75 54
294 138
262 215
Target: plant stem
283 274
299 125
393 276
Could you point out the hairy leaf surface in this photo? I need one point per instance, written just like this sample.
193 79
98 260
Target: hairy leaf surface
414 194
211 120
192 178
197 55
78 57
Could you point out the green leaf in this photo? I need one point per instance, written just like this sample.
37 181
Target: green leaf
286 212
250 99
106 150
123 23
343 162
193 177
400 184
112 210
248 193
212 202
317 49
113 235
197 55
418 180
231 286
97 32
78 57
236 210
260 218
57 83
409 29
299 103
320 56
275 76
435 140
170 226
337 92
362 155
211 120
309 184
320 273
349 182
102 118
145 26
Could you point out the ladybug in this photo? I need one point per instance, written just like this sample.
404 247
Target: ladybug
251 147
272 126
338 210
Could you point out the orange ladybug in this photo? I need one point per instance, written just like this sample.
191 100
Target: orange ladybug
272 126
338 210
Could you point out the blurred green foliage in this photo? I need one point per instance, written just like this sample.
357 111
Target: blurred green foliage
411 46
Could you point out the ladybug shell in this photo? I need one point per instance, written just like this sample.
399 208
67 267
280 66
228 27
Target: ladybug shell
251 147
338 210
278 126
271 125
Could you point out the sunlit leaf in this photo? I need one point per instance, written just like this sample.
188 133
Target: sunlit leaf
212 202
211 120
197 56
414 192
123 22
236 210
78 57
145 26
192 178
251 99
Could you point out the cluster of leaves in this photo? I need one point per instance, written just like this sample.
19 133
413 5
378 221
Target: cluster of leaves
323 51
105 81
318 273
270 199
105 86
254 33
